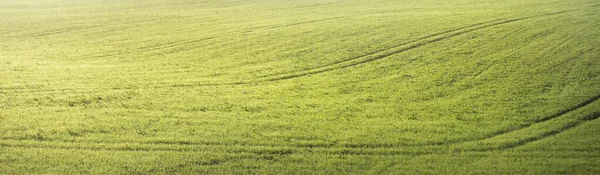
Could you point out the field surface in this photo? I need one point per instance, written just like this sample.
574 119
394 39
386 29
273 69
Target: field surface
299 87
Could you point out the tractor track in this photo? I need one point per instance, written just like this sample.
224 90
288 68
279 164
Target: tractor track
352 62
373 149
568 126
396 50
379 54
382 50
195 147
526 125
552 67
186 45
81 28
579 54
360 148
301 7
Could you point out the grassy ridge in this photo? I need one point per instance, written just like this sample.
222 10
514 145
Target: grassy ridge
302 87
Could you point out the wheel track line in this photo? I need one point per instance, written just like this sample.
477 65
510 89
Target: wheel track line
186 45
566 127
383 50
147 48
579 54
354 61
216 144
306 22
79 28
228 149
272 151
588 118
294 149
395 50
524 126
178 44
331 66
301 7
191 43
578 106
548 134
53 32
477 74
392 51
568 59
485 69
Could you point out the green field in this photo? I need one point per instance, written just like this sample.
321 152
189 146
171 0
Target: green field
299 87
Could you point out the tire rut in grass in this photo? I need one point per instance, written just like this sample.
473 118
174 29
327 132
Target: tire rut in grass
186 45
82 28
546 118
360 149
384 53
545 135
380 51
590 117
369 57
185 147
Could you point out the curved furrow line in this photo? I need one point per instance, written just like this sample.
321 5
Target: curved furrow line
80 28
232 149
349 147
187 45
512 53
588 118
373 56
381 50
300 23
148 48
281 150
553 116
487 68
378 51
398 48
524 126
395 50
53 32
495 134
568 126
288 149
165 46
16 35
579 54
50 91
187 146
331 66
369 57
379 54
300 7
552 67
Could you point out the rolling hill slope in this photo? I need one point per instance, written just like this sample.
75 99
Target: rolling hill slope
302 87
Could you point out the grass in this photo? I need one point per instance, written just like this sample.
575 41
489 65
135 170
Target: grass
300 87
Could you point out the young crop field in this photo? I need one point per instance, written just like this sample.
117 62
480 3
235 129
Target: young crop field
299 87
